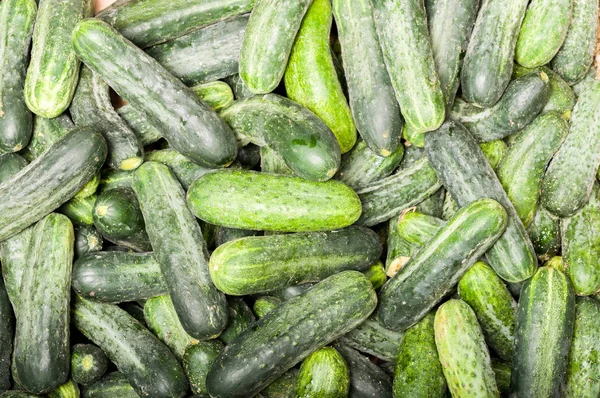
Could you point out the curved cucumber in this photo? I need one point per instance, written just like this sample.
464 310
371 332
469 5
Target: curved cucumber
197 361
7 331
45 133
544 232
112 385
323 373
88 363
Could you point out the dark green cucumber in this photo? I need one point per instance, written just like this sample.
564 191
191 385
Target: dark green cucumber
373 338
140 124
70 389
54 68
271 202
265 304
87 240
488 62
568 182
502 371
188 123
323 374
562 97
217 95
544 232
7 331
545 317
110 179
41 352
45 133
241 318
184 169
112 385
197 360
16 28
487 295
376 274
341 301
13 255
462 351
92 107
240 91
418 372
79 210
283 387
17 394
522 101
88 363
10 164
372 100
494 151
90 188
117 276
271 162
263 263
468 176
150 367
217 45
224 235
433 271
180 250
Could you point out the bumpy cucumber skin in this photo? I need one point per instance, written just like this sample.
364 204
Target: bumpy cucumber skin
45 133
577 52
7 331
323 374
112 385
217 94
265 304
462 351
342 301
435 269
562 97
197 361
13 255
54 67
374 339
366 378
494 151
17 18
544 232
88 363
467 175
180 250
188 123
283 387
87 240
545 317
241 318
271 202
495 308
418 228
488 61
184 169
402 30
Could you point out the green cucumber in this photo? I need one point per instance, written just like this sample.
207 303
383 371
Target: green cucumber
54 68
263 263
88 363
562 97
449 207
16 28
140 124
271 162
488 62
224 235
217 95
376 274
323 374
90 188
241 318
13 256
417 228
257 201
467 175
197 360
184 169
79 210
399 250
188 123
68 390
341 301
494 151
17 394
7 331
462 351
41 352
110 179
265 304
10 164
372 338
180 250
112 385
545 317
433 271
418 372
150 367
283 387
544 232
434 204
502 371
590 77
240 91
87 240
45 133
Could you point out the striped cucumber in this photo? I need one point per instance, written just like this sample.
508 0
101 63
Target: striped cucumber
112 385
70 389
544 232
88 363
417 228
323 373
111 178
197 361
87 240
79 210
217 95
45 133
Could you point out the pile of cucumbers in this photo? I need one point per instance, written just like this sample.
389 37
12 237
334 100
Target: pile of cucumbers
299 198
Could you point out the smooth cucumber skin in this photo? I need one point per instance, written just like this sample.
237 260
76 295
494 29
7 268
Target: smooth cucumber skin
187 123
522 168
545 317
418 371
263 263
45 133
462 351
271 202
495 308
488 62
7 331
10 164
341 301
467 175
17 18
217 94
310 78
323 374
373 338
184 169
197 360
50 180
150 367
41 351
54 67
88 363
561 99
570 177
405 43
79 210
112 385
544 232
180 250
433 271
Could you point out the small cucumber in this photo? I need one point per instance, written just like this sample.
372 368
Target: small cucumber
217 95
494 151
184 169
70 389
197 361
544 232
112 385
87 240
140 124
90 188
241 318
265 304
323 374
80 210
562 97
7 331
417 228
88 363
376 274
45 133
110 179
373 338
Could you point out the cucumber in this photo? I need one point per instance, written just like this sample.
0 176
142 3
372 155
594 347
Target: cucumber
13 256
240 91
372 338
494 307
110 179
462 351
376 274
180 250
90 188
41 352
543 31
80 210
10 164
283 387
418 372
522 101
249 156
467 176
87 240
562 97
417 228
140 124
341 301
92 107
224 235
67 390
577 52
217 95
88 363
7 331
449 206
263 263
150 367
271 162
241 318
112 385
544 232
184 169
556 262
197 360
545 317
265 304
399 250
117 276
54 68
590 77
217 45
17 394
502 370
494 151
16 28
488 62
563 190
271 202
433 271
203 136
323 373
45 133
